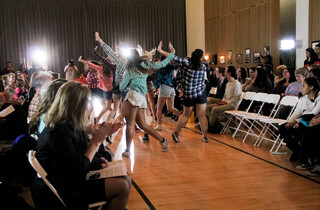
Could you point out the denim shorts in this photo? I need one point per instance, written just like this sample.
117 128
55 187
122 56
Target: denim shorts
166 91
107 95
96 92
189 102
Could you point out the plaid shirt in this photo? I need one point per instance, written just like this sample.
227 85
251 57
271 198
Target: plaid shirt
120 66
92 79
33 107
135 80
190 82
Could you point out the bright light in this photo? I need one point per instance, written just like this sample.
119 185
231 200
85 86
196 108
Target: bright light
38 56
206 57
125 52
287 44
97 106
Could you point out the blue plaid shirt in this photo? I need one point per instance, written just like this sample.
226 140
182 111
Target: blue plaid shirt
164 76
190 82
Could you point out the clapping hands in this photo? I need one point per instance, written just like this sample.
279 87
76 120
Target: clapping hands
100 131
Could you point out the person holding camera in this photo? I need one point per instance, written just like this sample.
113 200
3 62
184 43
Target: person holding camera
71 70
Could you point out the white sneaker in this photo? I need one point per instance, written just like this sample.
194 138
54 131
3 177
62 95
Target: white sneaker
158 128
126 153
164 145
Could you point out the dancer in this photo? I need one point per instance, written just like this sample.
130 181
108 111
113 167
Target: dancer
116 93
134 79
190 80
163 79
105 83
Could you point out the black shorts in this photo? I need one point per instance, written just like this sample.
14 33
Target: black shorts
189 102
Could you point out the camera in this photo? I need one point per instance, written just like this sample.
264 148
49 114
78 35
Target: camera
71 63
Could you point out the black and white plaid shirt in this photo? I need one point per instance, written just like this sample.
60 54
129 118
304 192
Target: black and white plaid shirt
190 82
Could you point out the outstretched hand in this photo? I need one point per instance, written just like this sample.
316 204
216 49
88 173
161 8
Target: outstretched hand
79 59
97 37
172 48
160 46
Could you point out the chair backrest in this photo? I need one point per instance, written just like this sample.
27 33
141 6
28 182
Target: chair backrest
260 97
273 99
289 101
42 173
245 96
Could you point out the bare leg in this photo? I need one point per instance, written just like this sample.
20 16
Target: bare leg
183 119
161 102
170 106
151 102
201 111
105 109
116 105
117 192
130 113
141 121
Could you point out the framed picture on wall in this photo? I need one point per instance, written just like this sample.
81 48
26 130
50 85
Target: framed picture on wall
230 57
256 57
248 55
266 50
214 59
314 43
222 59
239 58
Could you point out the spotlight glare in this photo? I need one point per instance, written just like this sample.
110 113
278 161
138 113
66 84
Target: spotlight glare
287 44
206 57
125 52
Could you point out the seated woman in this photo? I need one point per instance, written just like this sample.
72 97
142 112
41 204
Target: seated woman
292 131
64 152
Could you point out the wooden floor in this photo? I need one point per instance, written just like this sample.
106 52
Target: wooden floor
223 174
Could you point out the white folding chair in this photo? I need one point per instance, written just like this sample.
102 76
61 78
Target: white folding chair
259 97
43 174
253 119
232 114
271 125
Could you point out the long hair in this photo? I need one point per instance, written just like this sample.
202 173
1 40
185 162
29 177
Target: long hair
71 103
134 62
195 59
45 104
243 75
261 79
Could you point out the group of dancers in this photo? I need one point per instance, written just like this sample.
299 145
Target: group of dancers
125 79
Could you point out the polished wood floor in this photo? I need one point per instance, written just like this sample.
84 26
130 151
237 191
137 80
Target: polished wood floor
223 174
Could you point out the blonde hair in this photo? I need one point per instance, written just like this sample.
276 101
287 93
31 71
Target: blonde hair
70 103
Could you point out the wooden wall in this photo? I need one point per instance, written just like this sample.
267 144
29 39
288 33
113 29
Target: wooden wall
314 20
236 25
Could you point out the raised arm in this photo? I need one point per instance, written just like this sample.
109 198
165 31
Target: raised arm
107 49
158 65
82 61
105 61
164 53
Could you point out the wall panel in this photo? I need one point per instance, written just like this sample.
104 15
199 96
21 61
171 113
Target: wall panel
314 20
237 25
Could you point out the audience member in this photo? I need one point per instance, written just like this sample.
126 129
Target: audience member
64 148
309 103
231 97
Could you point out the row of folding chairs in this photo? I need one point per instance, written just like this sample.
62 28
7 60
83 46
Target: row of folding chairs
256 123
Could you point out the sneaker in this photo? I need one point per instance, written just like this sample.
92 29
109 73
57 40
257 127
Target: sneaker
164 145
314 172
158 128
137 128
305 167
175 137
205 140
126 153
145 139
